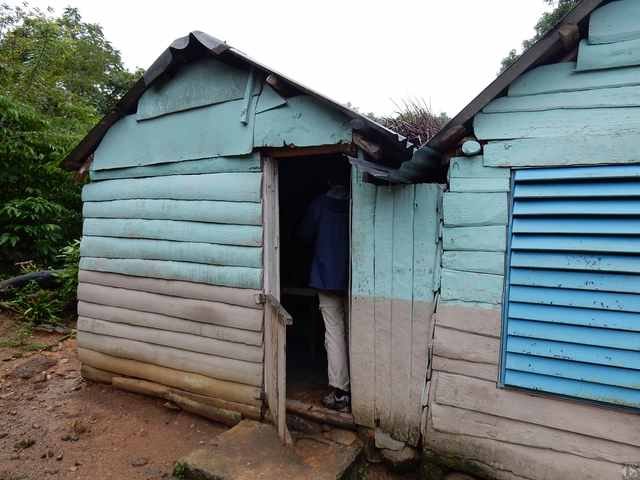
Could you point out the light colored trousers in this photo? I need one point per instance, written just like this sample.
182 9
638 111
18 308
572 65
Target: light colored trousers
335 339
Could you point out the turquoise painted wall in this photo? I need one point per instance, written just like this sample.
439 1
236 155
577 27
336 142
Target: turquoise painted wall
176 189
573 115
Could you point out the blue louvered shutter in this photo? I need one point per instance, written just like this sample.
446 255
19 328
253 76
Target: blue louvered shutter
572 312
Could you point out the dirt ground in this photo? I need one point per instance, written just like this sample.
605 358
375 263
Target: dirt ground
54 424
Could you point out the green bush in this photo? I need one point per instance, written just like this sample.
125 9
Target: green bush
37 306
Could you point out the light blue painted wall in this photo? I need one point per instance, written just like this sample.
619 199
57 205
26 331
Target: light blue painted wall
204 82
571 284
176 188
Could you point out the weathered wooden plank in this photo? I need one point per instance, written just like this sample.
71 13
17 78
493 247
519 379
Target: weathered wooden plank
198 133
223 409
591 420
426 255
609 55
479 318
575 316
506 461
473 167
182 341
475 209
242 297
275 330
604 282
562 77
196 310
235 213
615 339
480 262
622 172
205 253
586 226
291 124
361 335
383 243
614 22
471 287
465 422
192 86
585 189
479 184
426 238
598 98
191 382
240 277
182 400
224 234
576 353
493 238
625 397
401 308
483 371
164 322
577 206
269 99
231 187
458 345
241 163
236 371
618 147
605 376
557 123
625 302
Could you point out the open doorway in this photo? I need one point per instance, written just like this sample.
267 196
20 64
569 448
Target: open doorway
301 181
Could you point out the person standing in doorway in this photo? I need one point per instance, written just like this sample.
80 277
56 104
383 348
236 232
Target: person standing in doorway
326 227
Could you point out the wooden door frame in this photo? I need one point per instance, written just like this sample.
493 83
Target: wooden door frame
275 334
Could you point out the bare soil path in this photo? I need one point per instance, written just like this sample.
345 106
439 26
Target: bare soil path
55 425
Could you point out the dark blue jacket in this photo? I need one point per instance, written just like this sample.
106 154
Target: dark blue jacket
326 226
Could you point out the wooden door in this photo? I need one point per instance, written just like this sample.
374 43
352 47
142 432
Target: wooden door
275 317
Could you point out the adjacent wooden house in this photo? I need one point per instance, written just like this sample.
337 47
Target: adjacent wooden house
535 371
198 179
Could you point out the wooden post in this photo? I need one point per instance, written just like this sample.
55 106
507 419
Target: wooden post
275 334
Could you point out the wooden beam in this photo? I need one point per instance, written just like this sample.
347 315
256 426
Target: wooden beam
370 148
322 415
289 152
279 85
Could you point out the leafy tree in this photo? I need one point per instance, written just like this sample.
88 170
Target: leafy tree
58 76
546 22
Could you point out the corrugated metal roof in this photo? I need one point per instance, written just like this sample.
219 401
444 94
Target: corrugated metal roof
198 44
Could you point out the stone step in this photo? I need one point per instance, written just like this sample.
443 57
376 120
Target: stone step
253 450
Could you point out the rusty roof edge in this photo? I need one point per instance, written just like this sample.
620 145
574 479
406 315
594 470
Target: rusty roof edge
454 129
171 56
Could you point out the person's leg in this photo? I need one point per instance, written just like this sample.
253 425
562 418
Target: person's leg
335 341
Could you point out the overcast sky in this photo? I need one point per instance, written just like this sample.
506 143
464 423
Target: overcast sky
370 53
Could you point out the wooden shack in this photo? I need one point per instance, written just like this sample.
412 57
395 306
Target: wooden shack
535 371
189 266
494 305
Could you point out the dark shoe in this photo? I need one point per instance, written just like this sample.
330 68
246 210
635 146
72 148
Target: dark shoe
339 401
